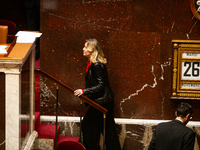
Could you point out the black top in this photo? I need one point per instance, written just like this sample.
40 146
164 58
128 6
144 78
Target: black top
173 135
97 84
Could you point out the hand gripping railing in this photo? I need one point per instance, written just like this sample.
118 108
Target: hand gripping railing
82 98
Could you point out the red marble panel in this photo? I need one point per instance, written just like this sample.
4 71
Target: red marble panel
135 69
89 16
136 38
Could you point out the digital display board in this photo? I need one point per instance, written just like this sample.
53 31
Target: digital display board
186 69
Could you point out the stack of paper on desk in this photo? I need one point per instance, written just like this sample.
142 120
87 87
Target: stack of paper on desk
3 49
27 37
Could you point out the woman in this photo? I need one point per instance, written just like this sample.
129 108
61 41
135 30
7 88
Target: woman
98 90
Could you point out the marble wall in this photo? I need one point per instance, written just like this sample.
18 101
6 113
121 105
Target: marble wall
136 38
135 136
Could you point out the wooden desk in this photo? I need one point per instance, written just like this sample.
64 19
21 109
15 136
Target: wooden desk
11 64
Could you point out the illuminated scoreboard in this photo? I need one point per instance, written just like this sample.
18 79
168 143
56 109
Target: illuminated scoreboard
186 69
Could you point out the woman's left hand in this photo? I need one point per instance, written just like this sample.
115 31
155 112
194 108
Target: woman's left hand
78 92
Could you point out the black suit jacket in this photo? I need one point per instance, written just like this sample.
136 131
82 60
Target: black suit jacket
173 135
97 84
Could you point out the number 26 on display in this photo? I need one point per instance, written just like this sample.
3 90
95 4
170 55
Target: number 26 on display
191 69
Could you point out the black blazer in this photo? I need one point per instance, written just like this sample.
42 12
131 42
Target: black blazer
97 84
173 135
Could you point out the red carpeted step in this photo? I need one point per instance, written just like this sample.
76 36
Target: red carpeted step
37 86
48 131
37 64
24 129
37 120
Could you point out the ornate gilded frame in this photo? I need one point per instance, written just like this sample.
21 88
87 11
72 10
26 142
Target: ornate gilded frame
195 8
186 69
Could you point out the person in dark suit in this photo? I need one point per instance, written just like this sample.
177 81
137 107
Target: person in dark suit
174 135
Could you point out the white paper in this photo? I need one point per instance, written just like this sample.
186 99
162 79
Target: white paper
22 39
26 33
3 49
27 37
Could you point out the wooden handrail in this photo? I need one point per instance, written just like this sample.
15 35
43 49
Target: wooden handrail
84 98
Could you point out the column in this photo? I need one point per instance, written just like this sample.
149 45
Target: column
13 110
32 91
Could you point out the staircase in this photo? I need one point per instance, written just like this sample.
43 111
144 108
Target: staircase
46 131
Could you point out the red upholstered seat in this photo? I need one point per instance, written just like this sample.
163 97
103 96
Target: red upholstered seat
67 138
70 145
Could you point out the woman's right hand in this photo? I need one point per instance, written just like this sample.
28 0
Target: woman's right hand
78 92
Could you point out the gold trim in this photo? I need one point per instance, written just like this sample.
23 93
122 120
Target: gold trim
189 45
174 81
175 45
104 116
189 95
175 58
193 9
175 69
174 94
178 48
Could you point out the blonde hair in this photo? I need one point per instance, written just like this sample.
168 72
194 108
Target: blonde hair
96 51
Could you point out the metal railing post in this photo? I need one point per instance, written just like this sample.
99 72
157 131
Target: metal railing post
104 131
81 103
56 118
